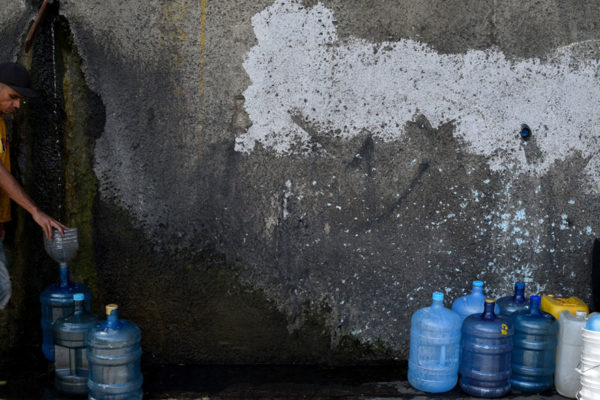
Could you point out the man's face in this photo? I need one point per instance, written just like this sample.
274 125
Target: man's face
10 100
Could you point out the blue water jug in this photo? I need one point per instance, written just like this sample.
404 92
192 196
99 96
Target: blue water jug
114 352
486 352
70 338
434 347
511 304
57 302
471 303
534 344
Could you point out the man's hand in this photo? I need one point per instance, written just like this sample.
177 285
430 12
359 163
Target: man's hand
47 223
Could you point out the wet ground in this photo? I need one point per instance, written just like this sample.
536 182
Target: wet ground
251 382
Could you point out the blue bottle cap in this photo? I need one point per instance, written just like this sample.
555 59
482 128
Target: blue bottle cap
520 285
78 297
438 296
478 283
593 323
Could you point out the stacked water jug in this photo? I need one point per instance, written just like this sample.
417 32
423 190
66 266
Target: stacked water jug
98 358
511 343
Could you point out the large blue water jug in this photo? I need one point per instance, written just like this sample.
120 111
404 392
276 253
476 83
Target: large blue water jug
114 352
511 304
434 347
70 341
471 303
486 352
57 302
534 344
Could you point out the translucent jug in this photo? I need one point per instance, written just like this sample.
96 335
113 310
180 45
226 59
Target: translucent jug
70 334
57 302
512 304
486 353
568 353
471 303
534 344
434 347
114 352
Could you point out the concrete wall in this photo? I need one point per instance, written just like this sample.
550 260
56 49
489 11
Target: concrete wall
374 159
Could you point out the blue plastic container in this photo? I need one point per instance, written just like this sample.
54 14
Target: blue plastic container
114 352
486 352
593 323
534 344
70 338
434 347
57 302
511 304
471 303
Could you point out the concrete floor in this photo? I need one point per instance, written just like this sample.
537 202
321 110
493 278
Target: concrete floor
254 382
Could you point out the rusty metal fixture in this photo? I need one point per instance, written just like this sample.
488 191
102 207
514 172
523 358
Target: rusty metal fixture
34 26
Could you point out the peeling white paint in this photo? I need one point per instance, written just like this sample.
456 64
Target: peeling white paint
303 75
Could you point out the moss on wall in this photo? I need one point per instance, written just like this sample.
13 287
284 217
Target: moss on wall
83 123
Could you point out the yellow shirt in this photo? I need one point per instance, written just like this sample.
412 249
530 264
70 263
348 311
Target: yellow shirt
5 160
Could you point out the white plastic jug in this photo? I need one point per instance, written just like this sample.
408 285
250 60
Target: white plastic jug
589 369
568 353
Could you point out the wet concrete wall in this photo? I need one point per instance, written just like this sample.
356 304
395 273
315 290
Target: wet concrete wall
374 158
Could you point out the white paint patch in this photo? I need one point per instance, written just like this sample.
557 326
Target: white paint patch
301 70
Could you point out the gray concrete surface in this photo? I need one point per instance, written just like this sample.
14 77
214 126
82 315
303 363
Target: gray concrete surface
375 159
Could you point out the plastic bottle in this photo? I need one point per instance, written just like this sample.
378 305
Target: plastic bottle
568 353
114 352
471 303
434 347
57 302
70 334
534 345
486 353
511 304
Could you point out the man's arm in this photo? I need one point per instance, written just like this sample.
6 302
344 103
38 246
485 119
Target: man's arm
16 192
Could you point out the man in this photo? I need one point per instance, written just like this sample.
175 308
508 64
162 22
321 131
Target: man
14 86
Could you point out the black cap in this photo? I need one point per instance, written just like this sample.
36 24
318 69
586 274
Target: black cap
16 76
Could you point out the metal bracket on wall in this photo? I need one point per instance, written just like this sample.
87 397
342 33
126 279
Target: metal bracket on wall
36 22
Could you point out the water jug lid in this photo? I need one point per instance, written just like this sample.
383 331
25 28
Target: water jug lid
490 300
78 297
110 308
438 296
520 285
593 323
478 283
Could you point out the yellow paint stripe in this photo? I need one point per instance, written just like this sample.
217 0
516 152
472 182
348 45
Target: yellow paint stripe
202 43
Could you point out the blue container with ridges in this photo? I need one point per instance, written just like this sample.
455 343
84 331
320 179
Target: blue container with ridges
534 344
486 353
434 347
114 353
511 304
70 341
471 303
57 302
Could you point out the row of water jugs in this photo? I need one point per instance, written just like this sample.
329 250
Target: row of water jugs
510 343
100 358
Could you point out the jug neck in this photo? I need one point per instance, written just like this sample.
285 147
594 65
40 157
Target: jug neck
78 306
519 296
477 287
64 275
488 310
534 306
438 300
112 319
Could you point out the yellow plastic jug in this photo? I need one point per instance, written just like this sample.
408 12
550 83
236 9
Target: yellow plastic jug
555 305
